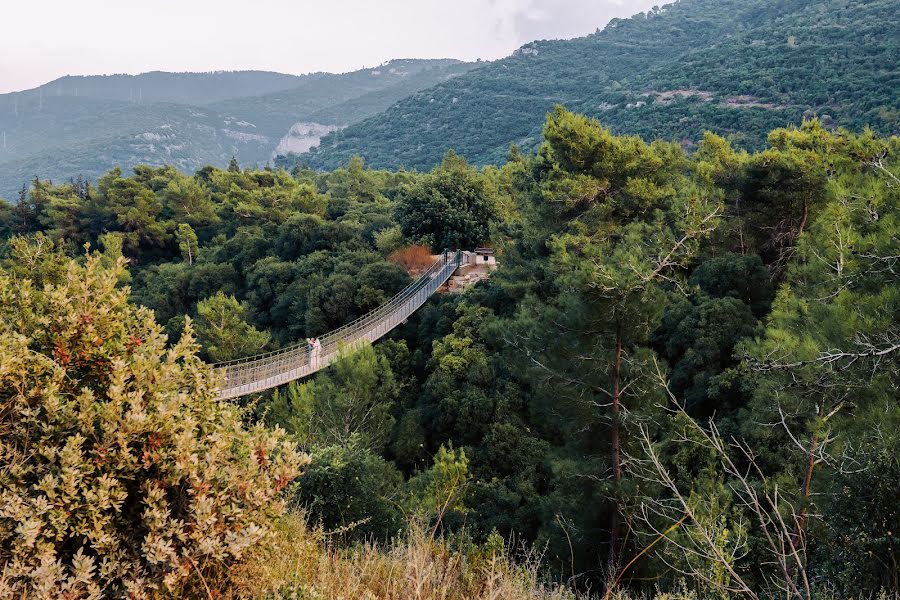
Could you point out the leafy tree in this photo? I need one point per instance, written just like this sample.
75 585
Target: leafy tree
823 369
172 289
352 403
698 334
23 216
623 219
699 337
460 397
389 240
126 206
307 200
63 213
350 292
187 243
35 257
440 492
860 513
354 492
450 208
190 202
511 475
740 276
223 332
354 183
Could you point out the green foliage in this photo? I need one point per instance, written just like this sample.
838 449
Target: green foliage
698 334
356 493
713 506
187 243
671 73
826 367
699 337
135 210
36 258
352 404
461 396
189 119
622 220
223 332
121 473
353 492
440 492
743 277
450 208
650 304
861 512
390 239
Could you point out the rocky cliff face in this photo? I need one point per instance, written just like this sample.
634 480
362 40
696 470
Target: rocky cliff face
302 137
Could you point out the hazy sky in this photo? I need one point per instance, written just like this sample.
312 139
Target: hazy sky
45 39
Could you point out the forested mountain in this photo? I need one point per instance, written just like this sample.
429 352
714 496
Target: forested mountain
322 98
84 126
682 379
160 86
680 383
735 67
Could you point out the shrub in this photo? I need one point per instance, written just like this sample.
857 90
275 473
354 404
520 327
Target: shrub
415 259
301 563
388 240
121 472
353 491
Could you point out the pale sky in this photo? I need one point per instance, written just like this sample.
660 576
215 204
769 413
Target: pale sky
44 39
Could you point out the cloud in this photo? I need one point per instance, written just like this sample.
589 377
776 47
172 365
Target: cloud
556 19
292 36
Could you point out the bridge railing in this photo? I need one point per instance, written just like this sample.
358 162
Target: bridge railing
264 371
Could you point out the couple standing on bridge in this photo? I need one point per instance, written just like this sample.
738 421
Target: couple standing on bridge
314 348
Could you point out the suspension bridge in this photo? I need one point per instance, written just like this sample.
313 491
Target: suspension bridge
264 371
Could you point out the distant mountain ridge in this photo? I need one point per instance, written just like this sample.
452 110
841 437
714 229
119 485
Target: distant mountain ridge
739 68
163 86
87 125
736 67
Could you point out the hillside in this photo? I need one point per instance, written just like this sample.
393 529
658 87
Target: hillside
159 86
327 92
684 364
188 119
736 67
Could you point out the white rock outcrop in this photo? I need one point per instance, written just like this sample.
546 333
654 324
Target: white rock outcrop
302 137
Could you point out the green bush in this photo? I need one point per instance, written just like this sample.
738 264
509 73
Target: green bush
121 472
354 492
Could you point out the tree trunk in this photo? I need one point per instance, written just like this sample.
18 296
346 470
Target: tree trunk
614 533
804 491
803 220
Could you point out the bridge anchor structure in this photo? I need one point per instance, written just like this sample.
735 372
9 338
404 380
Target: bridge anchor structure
451 272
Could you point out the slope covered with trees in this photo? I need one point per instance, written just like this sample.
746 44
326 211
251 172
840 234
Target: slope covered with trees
737 68
85 126
683 376
177 88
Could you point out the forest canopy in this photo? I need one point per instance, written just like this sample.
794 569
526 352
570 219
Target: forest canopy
684 372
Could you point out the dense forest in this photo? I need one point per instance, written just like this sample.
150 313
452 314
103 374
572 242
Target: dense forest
89 125
682 378
738 68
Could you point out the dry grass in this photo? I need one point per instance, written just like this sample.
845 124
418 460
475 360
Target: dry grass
415 259
300 563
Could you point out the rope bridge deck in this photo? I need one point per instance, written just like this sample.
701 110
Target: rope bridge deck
265 371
